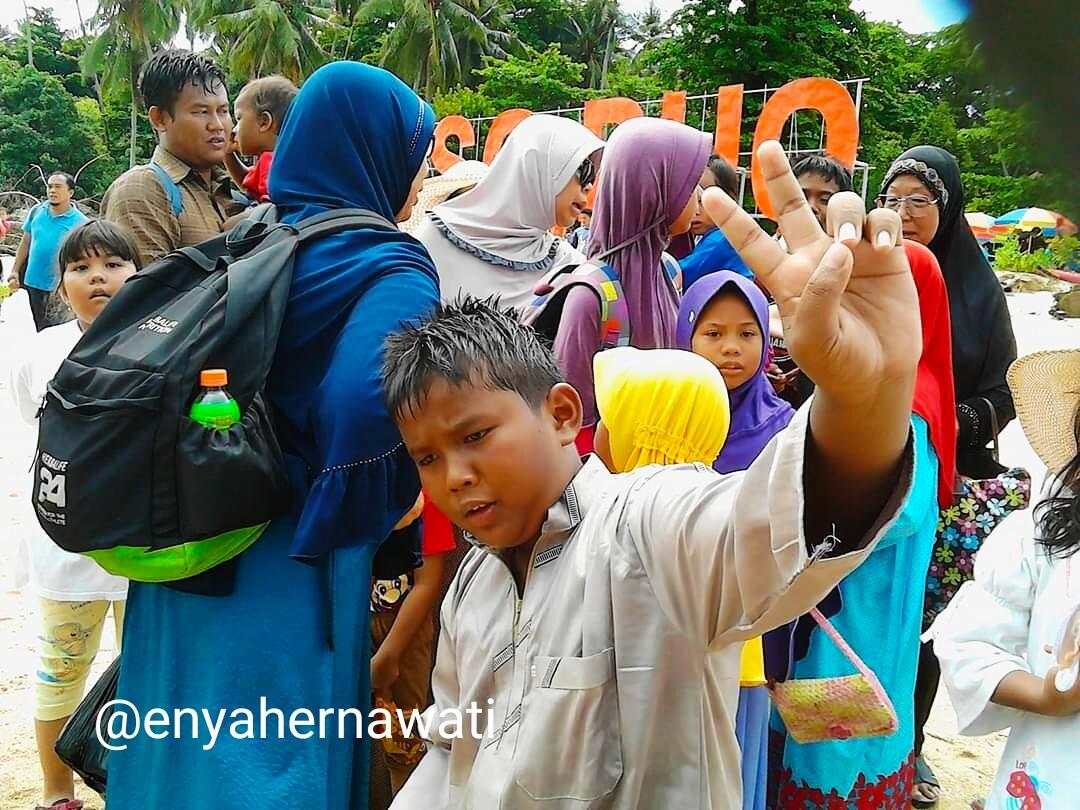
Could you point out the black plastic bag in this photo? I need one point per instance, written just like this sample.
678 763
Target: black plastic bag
78 745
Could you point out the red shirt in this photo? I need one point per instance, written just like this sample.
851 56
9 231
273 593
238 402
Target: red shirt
257 180
438 533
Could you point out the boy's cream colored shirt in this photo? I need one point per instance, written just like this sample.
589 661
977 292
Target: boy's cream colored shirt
614 680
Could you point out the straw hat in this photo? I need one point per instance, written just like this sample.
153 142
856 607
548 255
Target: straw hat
1046 390
459 177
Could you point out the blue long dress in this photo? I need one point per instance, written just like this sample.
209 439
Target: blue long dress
294 634
880 617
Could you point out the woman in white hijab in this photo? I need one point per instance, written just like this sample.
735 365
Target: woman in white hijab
496 239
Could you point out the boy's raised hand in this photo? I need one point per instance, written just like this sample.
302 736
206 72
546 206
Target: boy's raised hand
851 321
849 306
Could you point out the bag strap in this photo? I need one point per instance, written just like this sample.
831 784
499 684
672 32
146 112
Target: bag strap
834 634
994 427
845 648
338 220
172 191
263 219
604 283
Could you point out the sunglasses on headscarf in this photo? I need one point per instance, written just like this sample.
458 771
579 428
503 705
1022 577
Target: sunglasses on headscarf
586 173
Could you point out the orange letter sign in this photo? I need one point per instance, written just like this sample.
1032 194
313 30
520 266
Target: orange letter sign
728 122
602 111
841 125
501 127
454 126
674 107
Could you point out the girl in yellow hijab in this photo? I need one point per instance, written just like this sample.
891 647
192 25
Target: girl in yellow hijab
668 406
658 406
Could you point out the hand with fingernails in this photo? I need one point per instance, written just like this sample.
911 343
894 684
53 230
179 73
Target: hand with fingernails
850 314
847 298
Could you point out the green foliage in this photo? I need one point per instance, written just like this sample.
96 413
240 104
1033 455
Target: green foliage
361 36
539 23
627 79
537 81
479 57
40 125
761 43
53 54
463 101
438 44
996 195
1064 251
263 37
1008 256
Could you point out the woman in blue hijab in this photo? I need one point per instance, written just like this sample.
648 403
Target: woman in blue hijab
294 633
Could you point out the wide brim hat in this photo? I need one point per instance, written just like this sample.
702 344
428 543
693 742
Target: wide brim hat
1046 392
437 190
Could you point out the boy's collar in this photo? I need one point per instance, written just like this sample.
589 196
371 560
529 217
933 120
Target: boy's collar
567 512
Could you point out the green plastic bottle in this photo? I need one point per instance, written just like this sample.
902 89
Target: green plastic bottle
214 407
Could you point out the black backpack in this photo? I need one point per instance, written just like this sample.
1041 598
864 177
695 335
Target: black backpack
121 473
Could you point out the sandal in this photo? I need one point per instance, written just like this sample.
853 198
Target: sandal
924 775
63 804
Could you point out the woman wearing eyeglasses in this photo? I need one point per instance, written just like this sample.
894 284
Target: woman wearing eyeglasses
924 186
496 239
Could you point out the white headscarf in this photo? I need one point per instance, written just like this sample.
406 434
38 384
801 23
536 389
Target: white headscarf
510 213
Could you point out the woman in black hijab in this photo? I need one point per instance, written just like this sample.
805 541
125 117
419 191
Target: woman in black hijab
924 186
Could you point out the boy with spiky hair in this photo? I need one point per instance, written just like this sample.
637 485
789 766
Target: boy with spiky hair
597 622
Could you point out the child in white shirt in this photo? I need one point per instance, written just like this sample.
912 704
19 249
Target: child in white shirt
998 641
74 592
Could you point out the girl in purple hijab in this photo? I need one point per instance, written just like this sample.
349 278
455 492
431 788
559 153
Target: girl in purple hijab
725 318
647 193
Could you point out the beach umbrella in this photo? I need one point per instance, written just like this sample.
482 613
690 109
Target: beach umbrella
1025 219
981 224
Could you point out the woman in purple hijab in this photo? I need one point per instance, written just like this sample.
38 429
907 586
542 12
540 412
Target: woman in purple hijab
724 317
757 413
647 193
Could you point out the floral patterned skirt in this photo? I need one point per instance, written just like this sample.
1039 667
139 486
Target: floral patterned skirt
889 792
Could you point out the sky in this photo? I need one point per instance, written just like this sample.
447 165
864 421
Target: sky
915 16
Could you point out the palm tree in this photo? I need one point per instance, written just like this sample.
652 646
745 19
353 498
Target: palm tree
436 43
649 29
595 24
128 33
260 37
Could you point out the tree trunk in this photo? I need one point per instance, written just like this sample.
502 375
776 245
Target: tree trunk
97 85
607 57
133 154
348 39
29 37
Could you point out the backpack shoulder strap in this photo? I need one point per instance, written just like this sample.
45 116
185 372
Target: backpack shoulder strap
605 285
341 219
172 191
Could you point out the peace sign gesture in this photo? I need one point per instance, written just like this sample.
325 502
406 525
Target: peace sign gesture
849 305
851 321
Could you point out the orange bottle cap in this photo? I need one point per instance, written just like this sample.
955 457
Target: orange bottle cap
213 378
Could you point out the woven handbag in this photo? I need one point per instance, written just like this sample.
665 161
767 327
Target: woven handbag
841 708
978 506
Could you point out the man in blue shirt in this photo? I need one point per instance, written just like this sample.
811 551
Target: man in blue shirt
43 232
712 251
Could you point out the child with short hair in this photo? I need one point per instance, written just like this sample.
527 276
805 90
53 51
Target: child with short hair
260 110
820 177
1008 641
74 592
